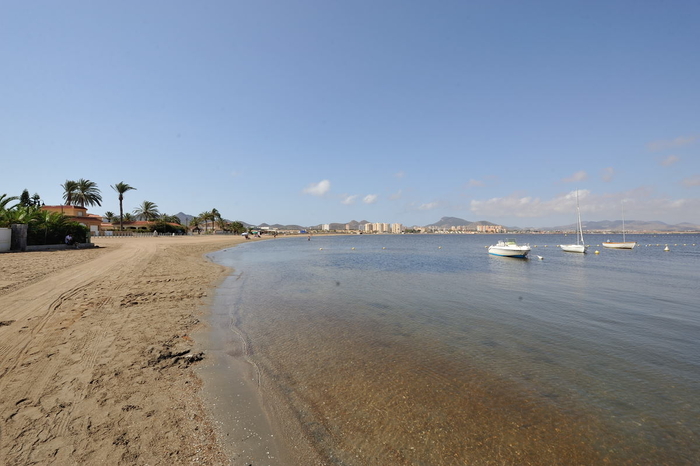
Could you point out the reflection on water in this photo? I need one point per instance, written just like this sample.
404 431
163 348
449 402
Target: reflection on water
431 351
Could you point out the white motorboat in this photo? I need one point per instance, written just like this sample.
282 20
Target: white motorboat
621 244
580 246
509 248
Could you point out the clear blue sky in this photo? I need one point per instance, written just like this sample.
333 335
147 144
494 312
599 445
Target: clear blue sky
313 112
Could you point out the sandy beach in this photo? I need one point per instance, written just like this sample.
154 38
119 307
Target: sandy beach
96 353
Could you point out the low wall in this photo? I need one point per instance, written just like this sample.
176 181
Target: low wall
5 239
57 247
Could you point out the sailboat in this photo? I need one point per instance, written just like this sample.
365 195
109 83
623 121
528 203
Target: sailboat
580 246
621 244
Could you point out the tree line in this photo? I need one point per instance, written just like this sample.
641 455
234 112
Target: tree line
46 227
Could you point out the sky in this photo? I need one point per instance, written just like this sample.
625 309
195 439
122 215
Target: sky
320 111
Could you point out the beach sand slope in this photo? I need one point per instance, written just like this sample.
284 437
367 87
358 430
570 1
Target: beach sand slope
96 355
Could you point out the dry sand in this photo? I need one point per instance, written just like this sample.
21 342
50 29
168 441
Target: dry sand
96 354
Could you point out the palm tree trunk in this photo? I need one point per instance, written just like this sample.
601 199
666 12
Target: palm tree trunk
121 213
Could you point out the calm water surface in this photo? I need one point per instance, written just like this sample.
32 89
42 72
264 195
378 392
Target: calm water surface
425 350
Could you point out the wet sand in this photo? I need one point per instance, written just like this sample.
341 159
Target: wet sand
97 357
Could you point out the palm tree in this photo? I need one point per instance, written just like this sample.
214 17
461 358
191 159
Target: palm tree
215 218
47 221
87 193
128 218
223 224
147 211
194 223
170 218
5 199
5 211
36 200
237 227
109 216
69 189
205 216
121 188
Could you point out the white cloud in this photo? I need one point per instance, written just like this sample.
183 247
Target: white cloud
370 199
526 206
670 160
472 183
318 189
349 200
607 174
400 174
428 206
578 176
660 145
641 203
692 181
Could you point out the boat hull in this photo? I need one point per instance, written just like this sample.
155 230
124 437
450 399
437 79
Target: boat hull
620 245
519 252
580 248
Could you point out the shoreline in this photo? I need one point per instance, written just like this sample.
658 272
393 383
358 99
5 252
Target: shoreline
255 424
97 358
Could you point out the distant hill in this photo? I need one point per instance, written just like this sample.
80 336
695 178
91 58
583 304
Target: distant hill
447 222
630 226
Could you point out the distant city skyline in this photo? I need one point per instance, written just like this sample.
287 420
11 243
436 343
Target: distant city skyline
401 111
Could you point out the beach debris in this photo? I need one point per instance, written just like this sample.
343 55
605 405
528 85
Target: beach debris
168 357
4 323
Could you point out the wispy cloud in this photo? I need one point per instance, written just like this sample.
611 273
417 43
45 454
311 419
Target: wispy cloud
668 161
691 181
526 206
349 200
643 202
472 183
578 176
400 174
370 199
396 196
607 174
318 189
660 145
428 206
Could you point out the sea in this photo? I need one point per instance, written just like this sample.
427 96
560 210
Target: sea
426 350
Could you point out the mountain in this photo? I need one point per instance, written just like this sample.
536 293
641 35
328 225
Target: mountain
447 222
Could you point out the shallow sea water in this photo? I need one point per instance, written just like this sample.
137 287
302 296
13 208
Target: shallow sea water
426 350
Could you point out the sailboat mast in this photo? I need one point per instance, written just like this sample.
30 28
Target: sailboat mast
580 227
623 221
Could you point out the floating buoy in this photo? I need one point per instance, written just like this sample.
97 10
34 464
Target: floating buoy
666 248
383 248
353 249
320 249
439 247
597 252
540 258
